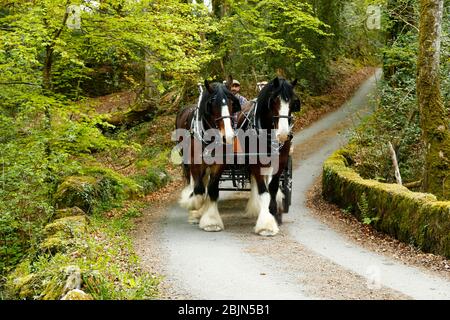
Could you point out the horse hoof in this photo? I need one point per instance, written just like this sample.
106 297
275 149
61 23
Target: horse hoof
213 228
267 233
266 225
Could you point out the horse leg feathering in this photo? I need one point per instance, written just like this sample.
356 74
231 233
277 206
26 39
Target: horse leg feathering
193 195
274 195
211 220
253 206
266 224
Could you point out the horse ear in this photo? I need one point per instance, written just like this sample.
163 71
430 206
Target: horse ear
294 83
229 82
276 82
208 86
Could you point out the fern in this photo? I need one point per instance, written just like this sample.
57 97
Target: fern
364 208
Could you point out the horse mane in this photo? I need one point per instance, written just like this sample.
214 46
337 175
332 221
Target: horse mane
284 89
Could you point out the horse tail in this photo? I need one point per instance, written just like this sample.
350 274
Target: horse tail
183 119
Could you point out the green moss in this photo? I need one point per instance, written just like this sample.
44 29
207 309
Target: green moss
97 187
24 286
21 282
54 289
68 212
60 233
77 295
113 184
78 191
433 116
153 179
70 226
415 218
55 244
107 266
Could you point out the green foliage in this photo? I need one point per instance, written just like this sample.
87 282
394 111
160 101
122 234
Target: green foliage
109 269
115 35
153 179
258 37
44 137
298 39
53 151
275 28
396 118
412 217
364 210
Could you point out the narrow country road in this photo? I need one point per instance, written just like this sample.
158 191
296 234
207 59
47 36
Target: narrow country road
307 260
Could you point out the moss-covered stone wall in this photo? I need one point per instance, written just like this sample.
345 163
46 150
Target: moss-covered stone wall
412 217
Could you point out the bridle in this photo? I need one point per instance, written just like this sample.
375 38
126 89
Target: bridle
197 127
257 126
274 117
278 117
217 119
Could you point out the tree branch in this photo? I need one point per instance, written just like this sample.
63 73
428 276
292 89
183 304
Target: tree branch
398 177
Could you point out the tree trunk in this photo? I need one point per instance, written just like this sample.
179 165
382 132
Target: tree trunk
150 90
434 121
47 80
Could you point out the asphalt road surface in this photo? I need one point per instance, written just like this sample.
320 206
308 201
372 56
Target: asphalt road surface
307 259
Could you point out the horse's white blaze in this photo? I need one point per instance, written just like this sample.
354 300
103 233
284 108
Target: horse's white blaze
253 207
283 123
211 220
188 200
266 224
229 133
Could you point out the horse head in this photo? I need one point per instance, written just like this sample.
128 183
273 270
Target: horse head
216 107
276 102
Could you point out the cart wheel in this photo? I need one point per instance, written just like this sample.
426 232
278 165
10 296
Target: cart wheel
287 186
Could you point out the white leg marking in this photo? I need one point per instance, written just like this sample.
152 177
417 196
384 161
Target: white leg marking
253 208
185 197
211 220
280 198
190 201
266 225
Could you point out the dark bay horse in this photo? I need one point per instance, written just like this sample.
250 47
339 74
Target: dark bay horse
270 113
216 105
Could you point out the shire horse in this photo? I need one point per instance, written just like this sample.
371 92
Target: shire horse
271 112
216 105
